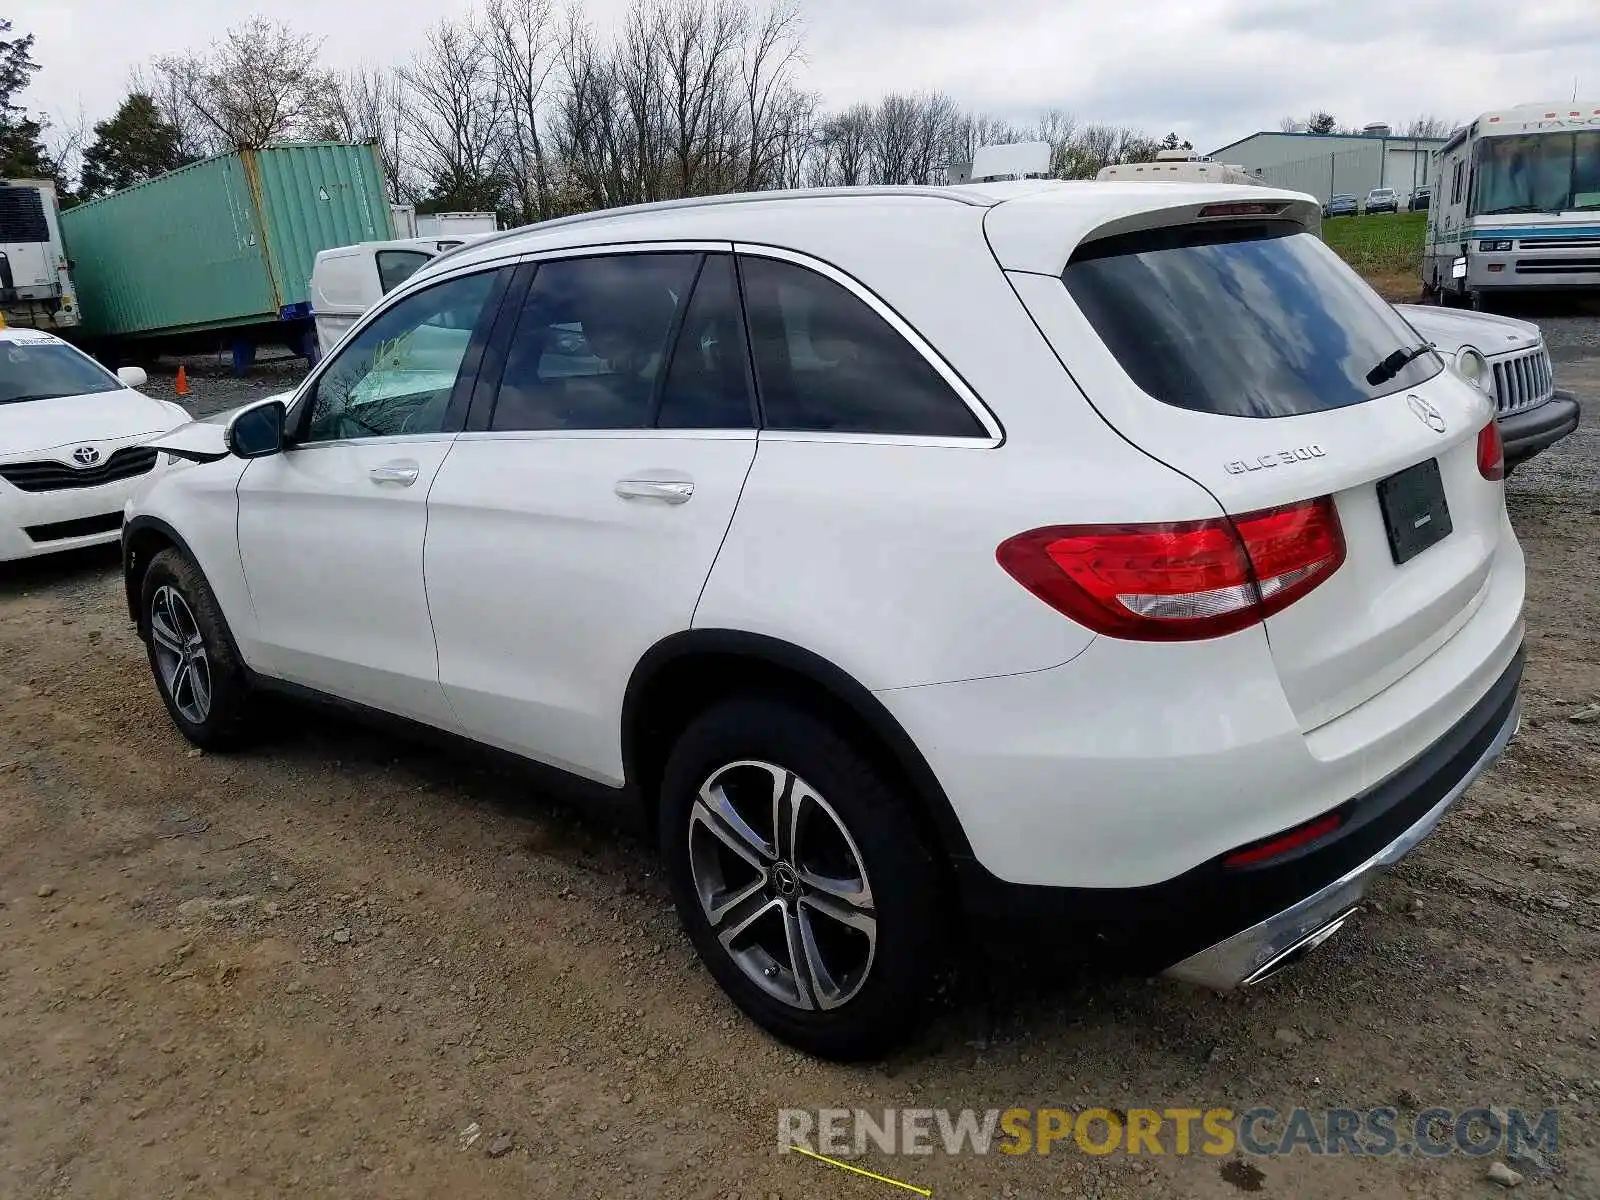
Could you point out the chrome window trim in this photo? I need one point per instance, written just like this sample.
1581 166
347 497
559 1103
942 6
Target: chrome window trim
746 434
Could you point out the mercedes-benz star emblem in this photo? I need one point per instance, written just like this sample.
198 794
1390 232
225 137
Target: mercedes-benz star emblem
86 456
1426 413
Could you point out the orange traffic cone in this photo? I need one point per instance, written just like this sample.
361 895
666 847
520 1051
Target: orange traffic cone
183 381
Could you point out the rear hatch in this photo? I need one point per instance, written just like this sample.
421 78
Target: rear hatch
1230 343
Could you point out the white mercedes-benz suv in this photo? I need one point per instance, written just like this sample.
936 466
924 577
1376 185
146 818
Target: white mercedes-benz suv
1100 553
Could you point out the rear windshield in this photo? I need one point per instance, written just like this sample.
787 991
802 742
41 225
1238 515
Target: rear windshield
1259 320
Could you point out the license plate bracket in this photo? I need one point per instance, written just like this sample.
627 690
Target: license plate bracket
1415 514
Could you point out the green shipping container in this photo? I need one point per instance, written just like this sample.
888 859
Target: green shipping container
224 243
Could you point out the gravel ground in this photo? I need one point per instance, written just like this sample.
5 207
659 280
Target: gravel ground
341 964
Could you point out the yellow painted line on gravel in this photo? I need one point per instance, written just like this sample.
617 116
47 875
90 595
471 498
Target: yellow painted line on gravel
833 1162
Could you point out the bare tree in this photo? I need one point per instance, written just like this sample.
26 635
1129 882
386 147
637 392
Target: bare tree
692 97
844 148
699 46
166 92
368 105
1428 126
458 112
64 142
1093 147
523 46
911 136
589 121
970 132
259 84
777 115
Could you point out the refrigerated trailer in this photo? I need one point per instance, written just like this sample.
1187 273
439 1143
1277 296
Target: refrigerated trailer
35 276
1516 204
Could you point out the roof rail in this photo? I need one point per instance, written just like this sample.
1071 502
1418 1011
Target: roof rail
954 195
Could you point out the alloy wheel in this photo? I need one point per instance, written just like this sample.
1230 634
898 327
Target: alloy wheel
783 885
180 654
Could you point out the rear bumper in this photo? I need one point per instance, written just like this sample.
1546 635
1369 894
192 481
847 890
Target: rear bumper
1522 270
1526 433
1225 926
1253 954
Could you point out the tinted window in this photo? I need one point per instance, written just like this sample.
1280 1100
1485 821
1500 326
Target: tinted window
592 342
44 370
396 376
707 384
825 361
397 266
1259 321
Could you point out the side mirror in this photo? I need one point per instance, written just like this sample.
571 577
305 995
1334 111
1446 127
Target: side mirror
257 432
132 377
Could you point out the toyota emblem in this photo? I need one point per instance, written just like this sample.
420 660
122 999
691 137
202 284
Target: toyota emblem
86 456
1426 413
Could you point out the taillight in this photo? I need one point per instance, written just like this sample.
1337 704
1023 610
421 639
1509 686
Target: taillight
1179 581
1491 452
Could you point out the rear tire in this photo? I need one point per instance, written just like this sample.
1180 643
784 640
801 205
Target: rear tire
200 678
801 878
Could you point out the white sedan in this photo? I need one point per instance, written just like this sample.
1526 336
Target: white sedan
71 444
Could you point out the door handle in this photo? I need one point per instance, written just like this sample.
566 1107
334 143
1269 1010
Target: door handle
403 473
670 491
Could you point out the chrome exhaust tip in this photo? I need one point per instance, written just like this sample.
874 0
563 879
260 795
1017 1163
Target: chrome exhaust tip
1293 954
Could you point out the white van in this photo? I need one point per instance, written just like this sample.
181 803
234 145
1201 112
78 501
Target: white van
348 280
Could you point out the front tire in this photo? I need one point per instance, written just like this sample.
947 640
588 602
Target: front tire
800 877
199 676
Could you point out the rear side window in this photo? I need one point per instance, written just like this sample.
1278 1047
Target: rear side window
397 266
1242 321
826 362
592 342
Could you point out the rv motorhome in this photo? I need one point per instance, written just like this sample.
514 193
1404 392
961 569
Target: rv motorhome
1516 204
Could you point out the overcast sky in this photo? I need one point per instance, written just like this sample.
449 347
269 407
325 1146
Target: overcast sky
1214 70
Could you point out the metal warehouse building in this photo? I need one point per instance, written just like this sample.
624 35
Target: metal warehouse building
1326 163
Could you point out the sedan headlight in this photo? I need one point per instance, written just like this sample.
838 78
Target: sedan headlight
1474 368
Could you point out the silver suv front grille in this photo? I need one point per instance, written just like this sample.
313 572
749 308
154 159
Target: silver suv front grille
1521 380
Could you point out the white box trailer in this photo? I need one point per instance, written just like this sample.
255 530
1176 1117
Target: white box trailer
455 223
35 275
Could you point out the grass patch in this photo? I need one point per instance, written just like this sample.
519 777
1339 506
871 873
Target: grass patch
1386 245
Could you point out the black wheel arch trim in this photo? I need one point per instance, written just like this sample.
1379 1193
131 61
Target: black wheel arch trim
837 683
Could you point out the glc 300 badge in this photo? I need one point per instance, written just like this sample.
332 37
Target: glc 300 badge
1280 457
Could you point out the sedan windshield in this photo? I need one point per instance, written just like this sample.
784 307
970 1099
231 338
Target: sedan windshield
1538 173
46 370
